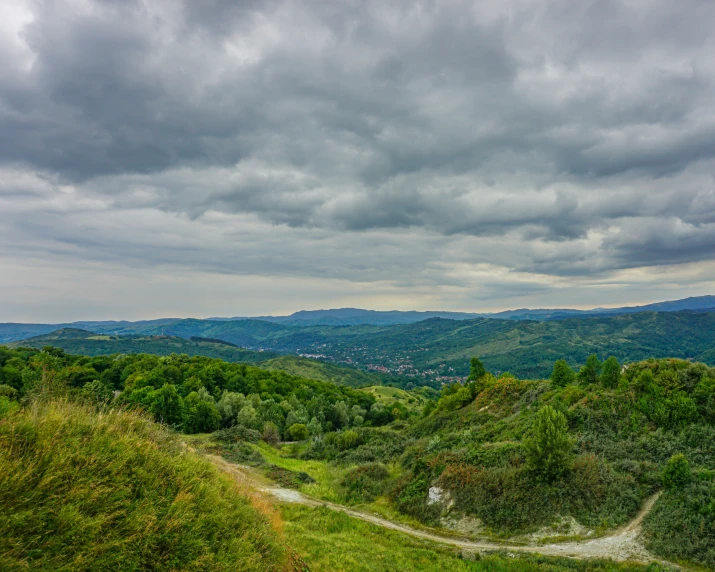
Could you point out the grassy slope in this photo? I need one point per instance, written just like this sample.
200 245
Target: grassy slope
313 369
80 490
391 395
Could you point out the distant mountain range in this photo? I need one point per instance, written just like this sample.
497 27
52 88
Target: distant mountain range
10 332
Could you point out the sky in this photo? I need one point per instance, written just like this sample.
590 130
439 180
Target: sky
220 158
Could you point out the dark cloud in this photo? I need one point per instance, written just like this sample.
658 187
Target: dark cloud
554 141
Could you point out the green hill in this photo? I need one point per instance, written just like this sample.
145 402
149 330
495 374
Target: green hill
437 348
322 371
82 342
82 491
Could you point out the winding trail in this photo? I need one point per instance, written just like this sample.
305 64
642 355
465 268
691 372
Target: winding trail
622 545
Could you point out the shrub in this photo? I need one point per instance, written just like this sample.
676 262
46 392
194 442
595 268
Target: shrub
681 525
298 432
271 434
549 449
365 483
235 434
676 473
8 391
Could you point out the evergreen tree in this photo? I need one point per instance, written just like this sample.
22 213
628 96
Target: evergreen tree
476 369
562 375
611 373
589 372
549 449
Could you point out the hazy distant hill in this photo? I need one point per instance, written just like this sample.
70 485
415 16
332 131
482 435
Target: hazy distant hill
258 328
78 341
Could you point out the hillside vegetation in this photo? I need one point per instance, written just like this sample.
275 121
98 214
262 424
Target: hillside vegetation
573 457
82 342
430 352
82 490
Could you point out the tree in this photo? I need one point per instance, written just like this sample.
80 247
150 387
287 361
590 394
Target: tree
201 416
248 417
96 392
271 434
562 375
611 373
549 449
298 432
589 372
476 369
168 407
676 473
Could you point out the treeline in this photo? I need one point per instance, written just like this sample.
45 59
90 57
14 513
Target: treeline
195 394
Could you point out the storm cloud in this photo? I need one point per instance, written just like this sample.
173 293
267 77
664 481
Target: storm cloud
418 154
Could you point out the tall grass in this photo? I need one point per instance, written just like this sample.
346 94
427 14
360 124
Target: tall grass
111 490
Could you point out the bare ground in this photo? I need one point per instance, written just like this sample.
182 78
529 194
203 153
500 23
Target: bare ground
622 545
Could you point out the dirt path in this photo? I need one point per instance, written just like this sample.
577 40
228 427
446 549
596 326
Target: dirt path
622 545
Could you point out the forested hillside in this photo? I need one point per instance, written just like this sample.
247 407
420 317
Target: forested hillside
428 352
437 348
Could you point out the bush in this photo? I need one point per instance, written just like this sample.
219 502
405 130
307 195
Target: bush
271 434
676 473
235 434
681 525
365 483
8 391
548 449
297 432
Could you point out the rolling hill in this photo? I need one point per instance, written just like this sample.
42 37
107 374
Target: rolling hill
77 341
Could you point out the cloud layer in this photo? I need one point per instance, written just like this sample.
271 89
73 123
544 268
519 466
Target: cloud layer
410 154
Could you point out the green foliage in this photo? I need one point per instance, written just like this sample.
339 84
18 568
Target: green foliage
114 491
271 433
681 526
611 373
562 375
589 373
8 391
676 473
201 415
476 369
297 432
366 482
236 434
167 406
548 448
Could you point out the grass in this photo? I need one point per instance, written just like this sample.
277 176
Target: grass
88 490
327 477
332 541
389 395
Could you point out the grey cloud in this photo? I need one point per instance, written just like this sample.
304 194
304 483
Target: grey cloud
560 139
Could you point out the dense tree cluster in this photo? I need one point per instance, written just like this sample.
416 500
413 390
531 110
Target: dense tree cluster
196 394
